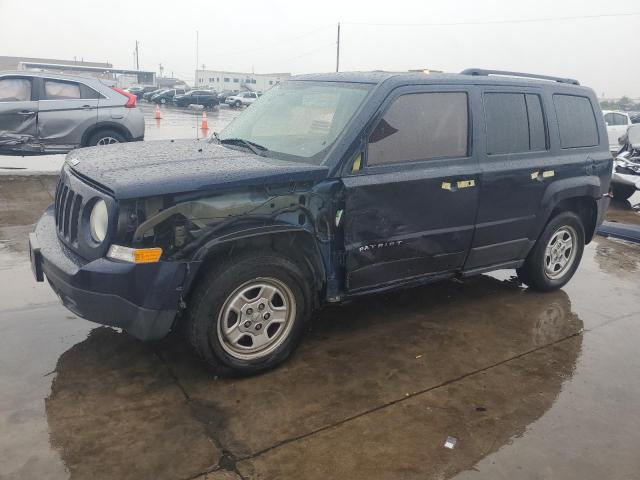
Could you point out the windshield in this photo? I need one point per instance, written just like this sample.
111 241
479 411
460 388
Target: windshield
298 121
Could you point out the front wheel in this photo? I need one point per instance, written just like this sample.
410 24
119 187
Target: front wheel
247 316
163 101
556 256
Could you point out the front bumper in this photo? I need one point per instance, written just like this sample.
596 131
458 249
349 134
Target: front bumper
141 299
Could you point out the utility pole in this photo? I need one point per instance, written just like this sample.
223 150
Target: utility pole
137 57
338 50
197 55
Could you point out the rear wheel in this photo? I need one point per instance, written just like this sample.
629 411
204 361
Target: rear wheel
622 192
247 316
105 137
557 253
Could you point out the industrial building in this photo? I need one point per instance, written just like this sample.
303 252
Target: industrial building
122 77
223 80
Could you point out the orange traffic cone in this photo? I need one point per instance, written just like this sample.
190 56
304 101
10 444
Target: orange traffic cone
205 124
158 116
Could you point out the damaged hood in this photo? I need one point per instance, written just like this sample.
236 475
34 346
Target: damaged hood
143 169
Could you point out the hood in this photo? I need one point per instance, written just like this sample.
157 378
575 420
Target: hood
144 169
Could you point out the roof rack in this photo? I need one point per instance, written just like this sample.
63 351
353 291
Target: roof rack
482 72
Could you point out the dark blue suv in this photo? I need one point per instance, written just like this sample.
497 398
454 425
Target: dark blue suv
329 187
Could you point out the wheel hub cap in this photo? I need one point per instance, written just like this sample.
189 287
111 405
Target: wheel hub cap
256 318
560 252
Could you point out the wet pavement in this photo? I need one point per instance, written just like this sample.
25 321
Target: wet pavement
530 385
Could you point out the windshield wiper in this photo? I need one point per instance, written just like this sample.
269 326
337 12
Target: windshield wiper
253 146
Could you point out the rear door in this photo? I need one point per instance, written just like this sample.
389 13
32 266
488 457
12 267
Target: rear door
410 211
533 139
18 112
517 166
67 110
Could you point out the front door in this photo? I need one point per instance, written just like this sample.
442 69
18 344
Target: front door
67 111
18 113
410 207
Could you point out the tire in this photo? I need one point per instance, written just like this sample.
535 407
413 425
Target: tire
163 101
622 192
545 271
213 310
238 104
101 137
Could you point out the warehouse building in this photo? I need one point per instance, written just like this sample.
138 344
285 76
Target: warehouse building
104 70
222 80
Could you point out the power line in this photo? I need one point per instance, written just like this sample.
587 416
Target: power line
493 22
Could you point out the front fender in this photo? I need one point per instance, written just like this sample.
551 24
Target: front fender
292 241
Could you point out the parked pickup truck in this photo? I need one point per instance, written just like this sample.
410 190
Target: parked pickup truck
331 187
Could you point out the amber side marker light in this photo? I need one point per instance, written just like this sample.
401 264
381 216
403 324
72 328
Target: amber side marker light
134 255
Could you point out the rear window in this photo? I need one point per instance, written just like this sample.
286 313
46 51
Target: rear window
576 121
515 123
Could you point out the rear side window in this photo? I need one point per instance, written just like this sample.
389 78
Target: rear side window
15 90
576 121
515 123
421 126
55 90
88 92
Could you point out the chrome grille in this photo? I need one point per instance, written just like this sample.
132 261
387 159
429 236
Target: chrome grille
68 205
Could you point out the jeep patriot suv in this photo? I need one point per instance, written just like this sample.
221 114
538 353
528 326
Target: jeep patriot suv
329 187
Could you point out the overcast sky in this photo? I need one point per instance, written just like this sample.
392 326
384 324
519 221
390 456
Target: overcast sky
299 36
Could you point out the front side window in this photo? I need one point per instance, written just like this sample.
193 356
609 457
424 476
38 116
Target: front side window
515 123
576 121
15 90
56 90
421 126
298 121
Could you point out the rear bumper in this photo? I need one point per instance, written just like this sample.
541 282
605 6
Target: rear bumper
603 206
141 299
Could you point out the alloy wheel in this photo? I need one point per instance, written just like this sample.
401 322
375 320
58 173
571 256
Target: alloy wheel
560 252
256 318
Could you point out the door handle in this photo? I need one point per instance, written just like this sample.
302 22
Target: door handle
26 113
453 186
541 175
86 107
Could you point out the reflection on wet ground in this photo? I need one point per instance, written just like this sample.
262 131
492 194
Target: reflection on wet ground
531 385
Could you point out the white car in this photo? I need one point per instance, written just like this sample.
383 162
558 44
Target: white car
617 124
242 98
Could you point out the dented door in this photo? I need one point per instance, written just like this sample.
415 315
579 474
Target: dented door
18 113
66 111
410 212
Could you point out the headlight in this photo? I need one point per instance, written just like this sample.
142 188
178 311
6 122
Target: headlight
99 221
